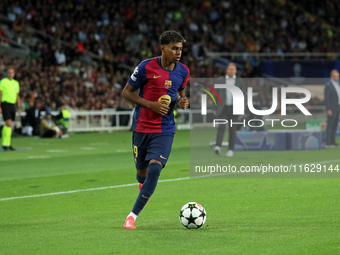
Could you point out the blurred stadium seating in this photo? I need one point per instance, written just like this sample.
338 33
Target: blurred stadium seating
81 52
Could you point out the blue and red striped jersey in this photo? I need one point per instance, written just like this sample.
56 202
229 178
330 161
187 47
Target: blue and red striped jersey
153 82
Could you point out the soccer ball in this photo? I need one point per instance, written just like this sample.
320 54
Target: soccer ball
192 215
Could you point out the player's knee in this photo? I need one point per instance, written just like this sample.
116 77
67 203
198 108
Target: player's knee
155 169
142 172
156 161
140 178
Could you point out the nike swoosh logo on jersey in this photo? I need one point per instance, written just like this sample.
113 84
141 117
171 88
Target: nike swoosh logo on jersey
155 77
161 156
144 196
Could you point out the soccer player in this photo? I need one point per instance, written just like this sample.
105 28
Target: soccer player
153 120
9 96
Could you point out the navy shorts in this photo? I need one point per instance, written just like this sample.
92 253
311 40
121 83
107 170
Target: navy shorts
147 146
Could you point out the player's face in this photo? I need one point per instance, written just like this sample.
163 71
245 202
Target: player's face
10 73
173 51
231 70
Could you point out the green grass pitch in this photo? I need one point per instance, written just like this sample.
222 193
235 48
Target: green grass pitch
244 215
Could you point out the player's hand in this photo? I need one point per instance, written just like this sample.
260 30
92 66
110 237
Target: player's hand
19 113
183 103
0 110
159 107
329 113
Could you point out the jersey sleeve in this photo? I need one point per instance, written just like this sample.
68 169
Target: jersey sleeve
18 88
1 85
186 80
138 78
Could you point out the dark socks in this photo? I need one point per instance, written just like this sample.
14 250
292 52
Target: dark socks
140 179
148 187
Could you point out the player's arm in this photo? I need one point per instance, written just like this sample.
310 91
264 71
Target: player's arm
183 101
130 95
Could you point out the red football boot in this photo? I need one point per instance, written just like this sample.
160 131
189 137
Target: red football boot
129 223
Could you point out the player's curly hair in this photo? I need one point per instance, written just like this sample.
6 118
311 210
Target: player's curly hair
170 36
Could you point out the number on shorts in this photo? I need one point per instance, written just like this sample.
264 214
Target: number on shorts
135 151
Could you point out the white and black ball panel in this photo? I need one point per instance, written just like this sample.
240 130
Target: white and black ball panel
199 221
186 212
195 212
184 221
192 226
188 205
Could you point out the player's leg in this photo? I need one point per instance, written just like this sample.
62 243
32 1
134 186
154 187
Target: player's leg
145 191
141 176
334 127
232 132
139 145
6 134
158 152
8 112
330 130
220 132
148 186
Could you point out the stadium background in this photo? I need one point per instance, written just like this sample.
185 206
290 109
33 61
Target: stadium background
81 53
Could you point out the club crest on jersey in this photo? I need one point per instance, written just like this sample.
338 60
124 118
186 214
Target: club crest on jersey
168 84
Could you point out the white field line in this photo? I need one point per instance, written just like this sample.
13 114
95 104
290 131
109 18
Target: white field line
56 151
91 189
135 184
37 157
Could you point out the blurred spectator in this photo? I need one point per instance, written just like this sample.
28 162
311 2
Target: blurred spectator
120 35
63 118
60 56
3 36
123 105
48 128
32 119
